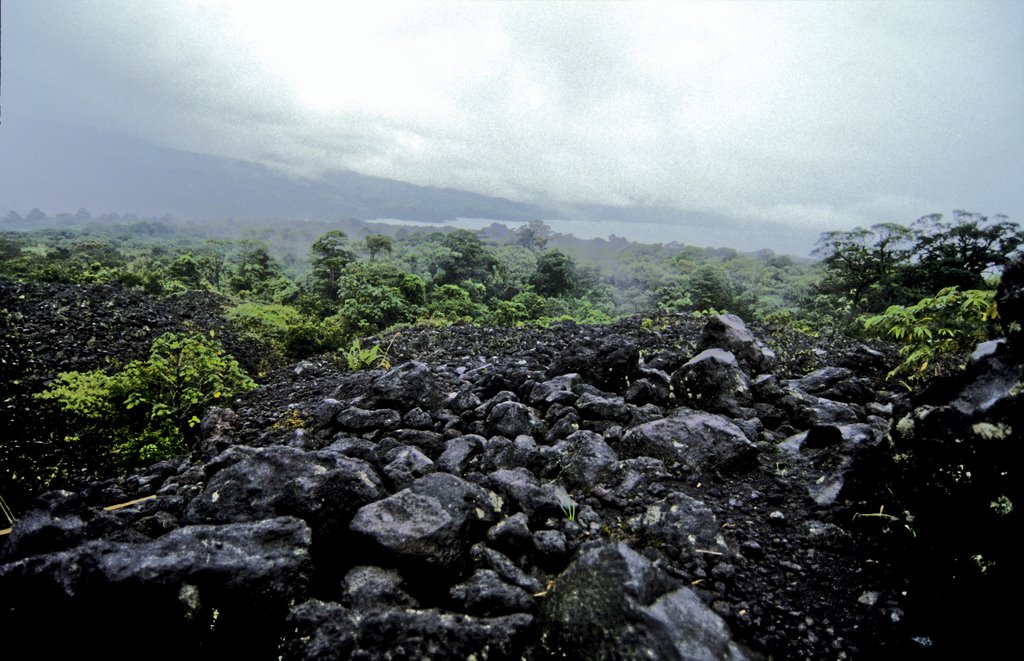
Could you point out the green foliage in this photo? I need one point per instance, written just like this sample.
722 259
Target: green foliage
282 331
865 265
710 287
255 274
453 303
937 333
87 395
960 251
465 258
378 243
330 255
870 269
555 275
359 358
150 408
373 298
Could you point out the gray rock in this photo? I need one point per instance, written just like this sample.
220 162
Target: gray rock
642 391
581 458
681 522
608 363
995 380
510 419
406 464
326 412
362 420
821 379
324 488
512 534
700 441
428 525
216 431
551 548
368 587
602 407
200 585
633 478
557 390
712 381
458 452
523 490
412 528
43 531
464 400
487 558
612 603
417 418
727 331
418 634
484 593
325 631
404 387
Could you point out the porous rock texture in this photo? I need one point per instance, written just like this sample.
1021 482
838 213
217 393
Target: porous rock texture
506 494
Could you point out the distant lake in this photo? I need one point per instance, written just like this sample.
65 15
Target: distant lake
783 239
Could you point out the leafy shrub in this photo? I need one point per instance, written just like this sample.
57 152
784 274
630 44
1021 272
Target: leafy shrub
453 303
282 330
358 358
937 333
150 408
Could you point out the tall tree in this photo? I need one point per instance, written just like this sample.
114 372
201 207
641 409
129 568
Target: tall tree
556 275
960 251
864 265
378 243
467 258
330 255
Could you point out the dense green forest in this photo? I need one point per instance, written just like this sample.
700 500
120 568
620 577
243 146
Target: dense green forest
339 281
314 286
298 289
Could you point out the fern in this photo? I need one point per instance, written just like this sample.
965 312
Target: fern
937 333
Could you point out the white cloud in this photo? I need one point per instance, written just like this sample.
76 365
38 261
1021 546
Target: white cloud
807 113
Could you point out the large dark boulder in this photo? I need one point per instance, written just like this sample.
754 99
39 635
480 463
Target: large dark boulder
1010 299
699 441
581 459
680 522
485 593
429 525
608 363
612 603
404 387
712 381
197 588
510 419
325 630
523 491
729 332
323 487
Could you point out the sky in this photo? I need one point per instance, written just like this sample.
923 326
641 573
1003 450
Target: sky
818 115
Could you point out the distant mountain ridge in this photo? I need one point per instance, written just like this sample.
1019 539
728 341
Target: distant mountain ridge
60 169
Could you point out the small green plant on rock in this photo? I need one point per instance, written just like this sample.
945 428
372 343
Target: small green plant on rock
566 503
359 358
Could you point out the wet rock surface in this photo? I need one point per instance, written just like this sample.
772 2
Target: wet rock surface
508 494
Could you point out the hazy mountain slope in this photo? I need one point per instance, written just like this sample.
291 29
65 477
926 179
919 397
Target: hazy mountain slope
60 169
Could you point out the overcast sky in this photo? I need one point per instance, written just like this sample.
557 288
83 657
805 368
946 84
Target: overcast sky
820 114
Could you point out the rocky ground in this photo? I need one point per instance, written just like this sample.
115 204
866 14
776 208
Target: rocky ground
682 489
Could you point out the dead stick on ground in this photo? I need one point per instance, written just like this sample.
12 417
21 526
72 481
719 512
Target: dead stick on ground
109 508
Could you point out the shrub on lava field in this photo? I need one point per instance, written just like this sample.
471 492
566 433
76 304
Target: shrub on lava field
149 410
